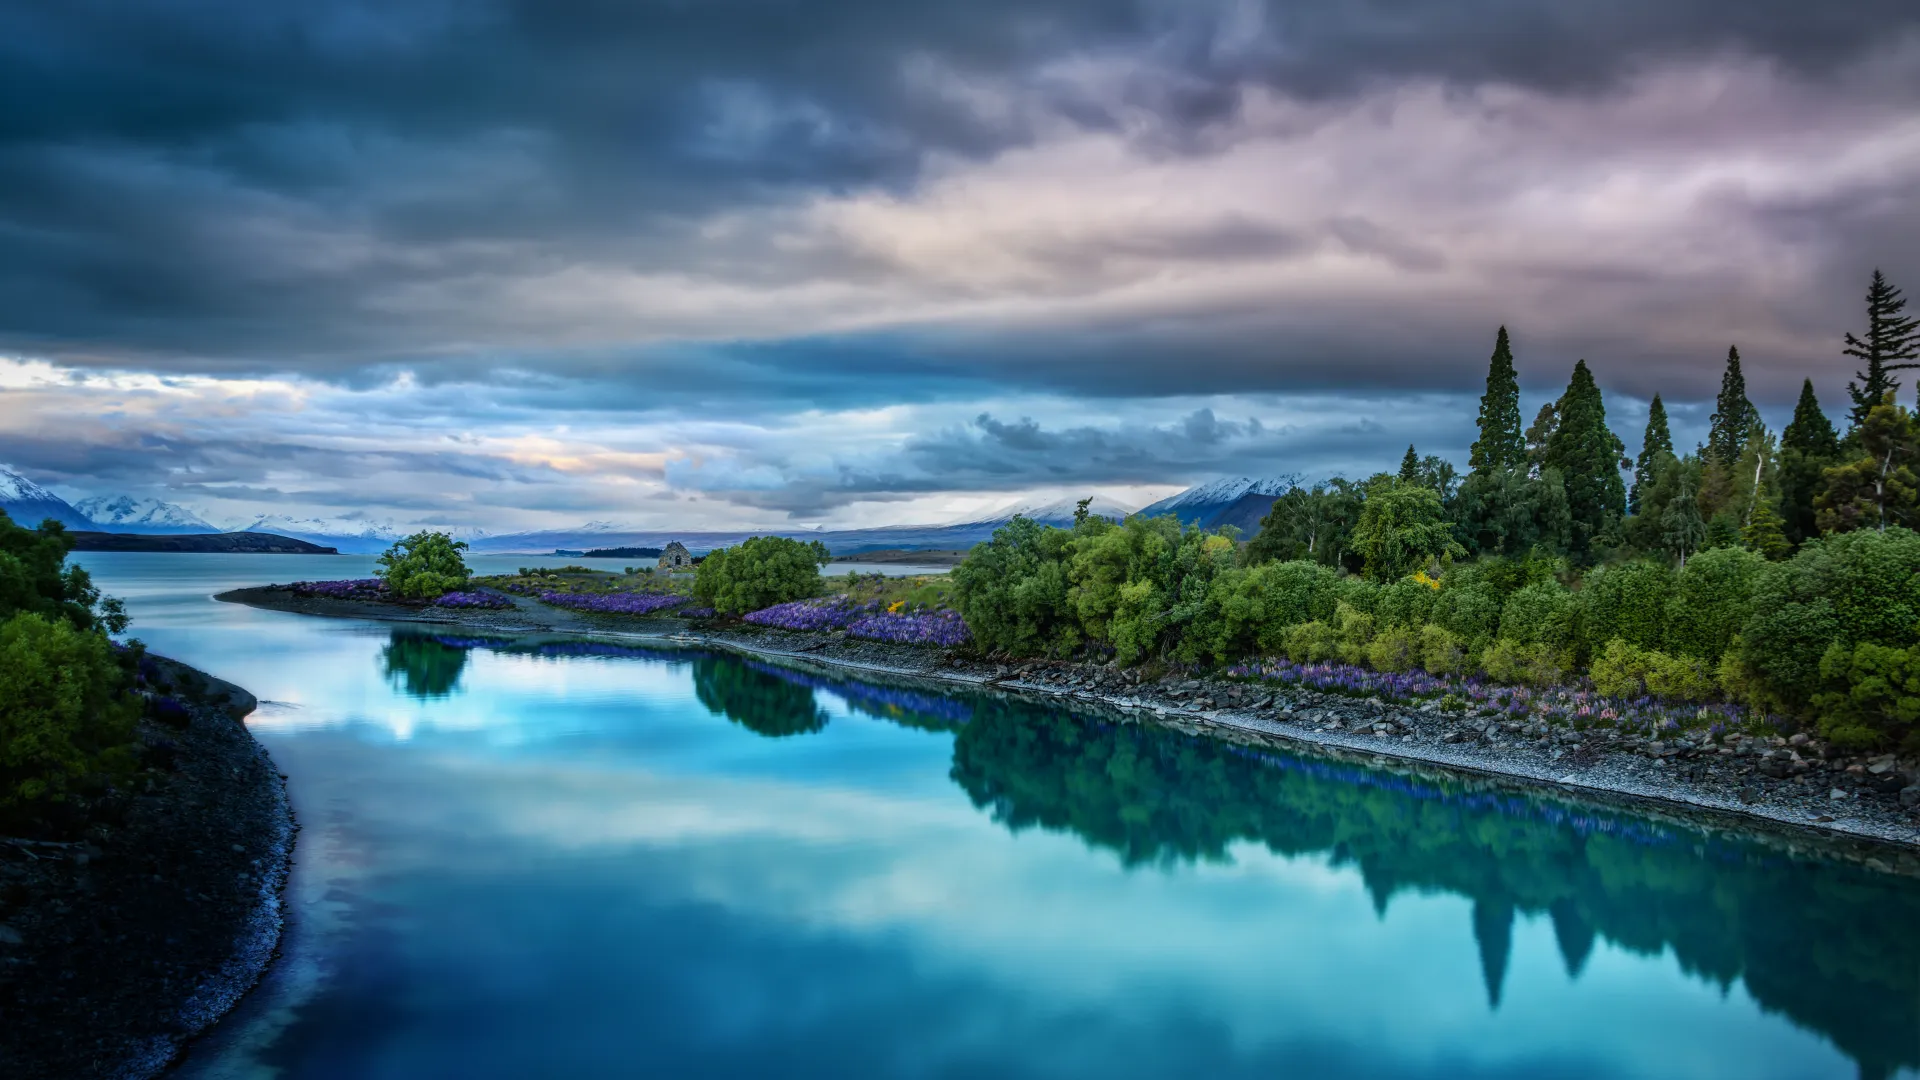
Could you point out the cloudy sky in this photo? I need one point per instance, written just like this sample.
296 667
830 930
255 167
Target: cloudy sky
735 263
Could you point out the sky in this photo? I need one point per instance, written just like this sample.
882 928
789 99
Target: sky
529 263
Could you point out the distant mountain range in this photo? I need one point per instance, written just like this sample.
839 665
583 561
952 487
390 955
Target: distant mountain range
125 513
1237 501
27 503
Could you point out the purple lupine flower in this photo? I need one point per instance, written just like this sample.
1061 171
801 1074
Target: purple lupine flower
621 603
944 628
478 598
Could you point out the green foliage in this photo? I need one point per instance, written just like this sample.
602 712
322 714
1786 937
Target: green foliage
1501 445
1712 599
1625 670
1892 342
1507 512
760 572
1656 443
1012 590
34 577
1588 457
1881 487
1734 417
1872 695
1469 612
424 565
1627 601
1847 589
1407 602
1352 633
1531 665
1307 523
1403 529
1312 642
65 716
1442 652
1808 447
1541 614
1396 648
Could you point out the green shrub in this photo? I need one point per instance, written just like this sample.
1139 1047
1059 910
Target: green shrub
1396 648
1297 591
424 565
65 715
1353 631
1406 602
1626 670
760 572
1441 650
1012 590
1312 642
1540 614
1852 588
1619 670
1627 601
1712 598
1513 662
1872 696
1469 611
1403 528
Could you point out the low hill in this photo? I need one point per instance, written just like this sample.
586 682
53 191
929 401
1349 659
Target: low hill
240 543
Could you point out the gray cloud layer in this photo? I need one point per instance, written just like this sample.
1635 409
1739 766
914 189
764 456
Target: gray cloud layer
542 211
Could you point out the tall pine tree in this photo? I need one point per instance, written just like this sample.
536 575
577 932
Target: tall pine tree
1734 417
1501 444
1808 447
1658 440
1891 338
1588 457
1410 467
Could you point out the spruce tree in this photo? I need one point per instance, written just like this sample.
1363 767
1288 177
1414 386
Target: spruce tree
1891 338
1588 457
1657 441
1501 444
1733 416
1808 447
1410 467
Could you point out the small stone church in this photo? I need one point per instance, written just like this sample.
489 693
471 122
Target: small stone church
675 557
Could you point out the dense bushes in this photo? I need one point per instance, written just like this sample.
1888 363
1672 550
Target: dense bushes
424 566
760 572
66 714
1831 635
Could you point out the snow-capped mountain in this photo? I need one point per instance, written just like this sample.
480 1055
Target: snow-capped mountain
124 513
1056 512
1240 501
28 504
353 536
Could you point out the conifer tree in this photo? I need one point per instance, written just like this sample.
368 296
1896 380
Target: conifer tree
1891 338
1763 534
1501 444
1657 441
1410 467
1540 434
1808 447
1588 457
1733 416
1882 486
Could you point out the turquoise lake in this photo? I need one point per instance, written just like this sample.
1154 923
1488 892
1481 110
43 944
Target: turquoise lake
542 857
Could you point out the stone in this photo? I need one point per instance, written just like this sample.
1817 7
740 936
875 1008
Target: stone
1799 739
1881 767
10 936
1910 796
1749 794
1836 795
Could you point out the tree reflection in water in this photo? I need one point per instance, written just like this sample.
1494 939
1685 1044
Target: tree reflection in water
1829 943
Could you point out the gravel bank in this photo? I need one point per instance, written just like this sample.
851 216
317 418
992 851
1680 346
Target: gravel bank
1800 784
118 948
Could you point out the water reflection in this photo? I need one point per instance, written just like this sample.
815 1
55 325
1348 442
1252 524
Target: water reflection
1827 944
422 666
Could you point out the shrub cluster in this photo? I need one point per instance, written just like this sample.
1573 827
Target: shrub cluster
67 712
1831 635
759 573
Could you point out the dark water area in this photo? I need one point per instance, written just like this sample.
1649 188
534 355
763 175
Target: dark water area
548 857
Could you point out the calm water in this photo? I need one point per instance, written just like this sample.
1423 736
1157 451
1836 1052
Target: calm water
538 858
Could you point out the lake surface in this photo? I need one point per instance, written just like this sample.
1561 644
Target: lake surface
536 857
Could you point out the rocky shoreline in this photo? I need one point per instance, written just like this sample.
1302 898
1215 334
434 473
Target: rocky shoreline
1799 784
119 947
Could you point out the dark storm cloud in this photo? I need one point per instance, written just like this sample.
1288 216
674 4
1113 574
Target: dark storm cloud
273 186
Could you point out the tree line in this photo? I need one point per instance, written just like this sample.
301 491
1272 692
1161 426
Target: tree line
1780 571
